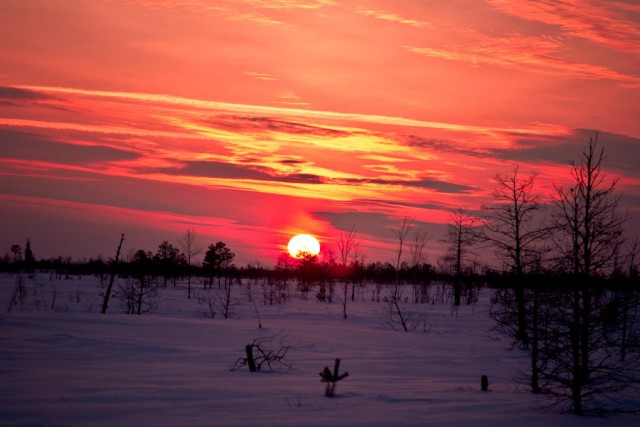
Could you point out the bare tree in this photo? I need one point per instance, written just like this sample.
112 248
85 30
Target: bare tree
138 294
262 352
402 232
417 247
355 269
348 247
513 227
633 257
347 244
628 298
284 268
226 300
461 235
190 250
398 316
222 301
19 295
587 220
582 367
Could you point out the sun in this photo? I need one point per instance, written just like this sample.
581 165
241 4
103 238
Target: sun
303 243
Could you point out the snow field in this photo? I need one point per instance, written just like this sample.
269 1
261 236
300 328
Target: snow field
72 366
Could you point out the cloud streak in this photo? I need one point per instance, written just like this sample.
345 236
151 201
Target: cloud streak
538 54
614 24
34 147
392 17
289 112
13 95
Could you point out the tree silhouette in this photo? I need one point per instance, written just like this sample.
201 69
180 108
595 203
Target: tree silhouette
584 366
417 247
190 250
107 294
217 258
16 250
460 235
308 271
513 228
169 259
348 247
137 294
29 258
402 232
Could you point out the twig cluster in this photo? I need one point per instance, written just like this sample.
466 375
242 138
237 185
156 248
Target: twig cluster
262 352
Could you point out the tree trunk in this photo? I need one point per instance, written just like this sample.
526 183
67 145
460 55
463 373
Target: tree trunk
625 324
585 334
457 291
140 296
576 374
523 335
535 384
107 294
250 360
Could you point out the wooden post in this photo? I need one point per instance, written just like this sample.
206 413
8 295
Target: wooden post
250 360
484 383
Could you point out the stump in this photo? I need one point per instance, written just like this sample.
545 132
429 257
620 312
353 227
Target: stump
250 360
484 383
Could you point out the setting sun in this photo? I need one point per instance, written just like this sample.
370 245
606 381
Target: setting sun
303 243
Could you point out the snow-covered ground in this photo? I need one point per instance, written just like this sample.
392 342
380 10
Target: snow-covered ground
72 366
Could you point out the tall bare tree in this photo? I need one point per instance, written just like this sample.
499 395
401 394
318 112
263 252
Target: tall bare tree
401 232
513 227
347 244
629 298
583 366
461 234
348 247
138 294
417 250
587 218
417 247
190 250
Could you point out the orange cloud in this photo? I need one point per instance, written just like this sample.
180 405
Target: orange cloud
219 145
239 10
538 54
261 76
289 4
613 24
334 116
392 17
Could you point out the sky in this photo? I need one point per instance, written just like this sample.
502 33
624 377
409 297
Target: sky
249 121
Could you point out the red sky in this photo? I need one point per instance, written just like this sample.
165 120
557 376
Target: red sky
251 120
